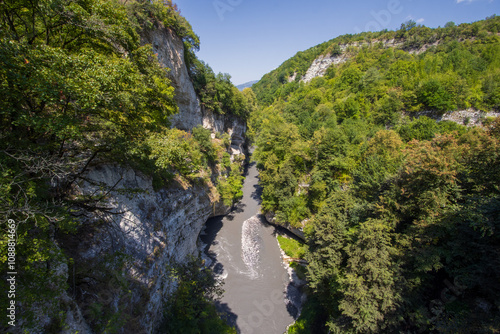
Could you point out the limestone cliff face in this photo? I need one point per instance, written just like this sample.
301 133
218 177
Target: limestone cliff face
170 50
133 241
124 247
227 124
321 64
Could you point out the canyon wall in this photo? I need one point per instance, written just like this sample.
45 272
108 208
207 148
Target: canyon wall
124 249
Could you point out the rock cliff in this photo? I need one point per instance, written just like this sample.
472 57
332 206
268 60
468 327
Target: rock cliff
323 62
122 253
124 248
170 50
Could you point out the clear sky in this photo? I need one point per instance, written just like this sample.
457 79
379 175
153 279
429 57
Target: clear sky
248 38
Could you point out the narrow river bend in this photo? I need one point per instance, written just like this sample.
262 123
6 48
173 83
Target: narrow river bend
244 251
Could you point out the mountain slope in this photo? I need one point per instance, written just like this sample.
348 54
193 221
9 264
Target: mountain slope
410 38
400 212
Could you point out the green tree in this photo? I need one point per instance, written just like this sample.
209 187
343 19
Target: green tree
433 95
327 237
368 288
191 309
230 187
204 140
381 160
422 128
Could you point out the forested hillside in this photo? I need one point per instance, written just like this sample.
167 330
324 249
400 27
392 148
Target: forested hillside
401 213
78 89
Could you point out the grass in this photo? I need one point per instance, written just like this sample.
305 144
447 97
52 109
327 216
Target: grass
293 248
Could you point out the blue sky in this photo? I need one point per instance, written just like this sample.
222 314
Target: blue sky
248 38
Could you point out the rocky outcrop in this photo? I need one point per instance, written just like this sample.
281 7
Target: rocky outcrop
170 52
469 117
227 124
321 64
136 236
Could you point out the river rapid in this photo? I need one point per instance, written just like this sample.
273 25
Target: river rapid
243 251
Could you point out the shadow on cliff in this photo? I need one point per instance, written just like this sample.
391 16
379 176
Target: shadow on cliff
213 226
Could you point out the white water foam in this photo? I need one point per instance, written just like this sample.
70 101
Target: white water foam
250 246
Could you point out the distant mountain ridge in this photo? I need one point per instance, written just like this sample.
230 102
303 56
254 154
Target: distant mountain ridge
246 85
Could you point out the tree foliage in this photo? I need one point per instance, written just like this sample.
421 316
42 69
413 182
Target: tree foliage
77 87
396 207
191 309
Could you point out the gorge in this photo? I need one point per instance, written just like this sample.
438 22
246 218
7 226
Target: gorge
259 296
365 169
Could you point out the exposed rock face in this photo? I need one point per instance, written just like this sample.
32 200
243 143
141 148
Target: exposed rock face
170 51
321 64
152 229
227 124
469 117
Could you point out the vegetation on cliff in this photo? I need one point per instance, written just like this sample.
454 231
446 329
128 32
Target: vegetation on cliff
401 215
192 308
456 63
77 87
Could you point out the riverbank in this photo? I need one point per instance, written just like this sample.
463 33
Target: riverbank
243 251
292 252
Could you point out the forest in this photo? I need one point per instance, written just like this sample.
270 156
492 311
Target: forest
78 88
400 211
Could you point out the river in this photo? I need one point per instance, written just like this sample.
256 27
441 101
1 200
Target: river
245 253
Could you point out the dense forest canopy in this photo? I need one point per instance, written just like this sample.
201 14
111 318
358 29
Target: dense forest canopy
401 213
78 87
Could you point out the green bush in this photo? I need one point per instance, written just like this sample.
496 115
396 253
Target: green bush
422 128
176 150
204 139
230 187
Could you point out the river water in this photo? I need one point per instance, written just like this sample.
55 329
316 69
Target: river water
244 252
